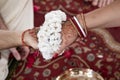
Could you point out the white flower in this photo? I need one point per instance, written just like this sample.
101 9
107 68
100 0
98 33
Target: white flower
49 37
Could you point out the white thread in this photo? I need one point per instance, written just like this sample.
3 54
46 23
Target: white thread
49 36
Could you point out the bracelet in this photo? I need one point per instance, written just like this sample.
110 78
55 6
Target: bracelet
78 26
79 33
22 37
84 22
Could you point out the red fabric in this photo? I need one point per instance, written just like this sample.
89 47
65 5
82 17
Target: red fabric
91 52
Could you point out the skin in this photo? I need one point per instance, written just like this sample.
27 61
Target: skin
100 3
107 17
13 39
104 17
24 49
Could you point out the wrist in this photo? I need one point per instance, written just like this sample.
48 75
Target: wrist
24 37
18 38
68 27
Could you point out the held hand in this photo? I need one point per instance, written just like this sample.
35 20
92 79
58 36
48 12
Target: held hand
69 35
100 3
30 38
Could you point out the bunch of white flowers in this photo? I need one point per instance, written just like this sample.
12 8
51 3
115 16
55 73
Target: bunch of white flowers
49 36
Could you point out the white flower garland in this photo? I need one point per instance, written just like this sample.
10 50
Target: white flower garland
49 36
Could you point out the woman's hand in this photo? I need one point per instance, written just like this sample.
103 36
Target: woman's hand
30 38
69 35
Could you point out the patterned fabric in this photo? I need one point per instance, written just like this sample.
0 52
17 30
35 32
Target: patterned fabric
100 51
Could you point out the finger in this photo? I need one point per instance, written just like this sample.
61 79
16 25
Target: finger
31 39
33 42
109 1
104 3
95 2
35 37
25 52
33 33
15 53
100 3
34 45
112 1
35 30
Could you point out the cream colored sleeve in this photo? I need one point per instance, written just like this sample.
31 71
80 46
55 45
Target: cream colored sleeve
17 14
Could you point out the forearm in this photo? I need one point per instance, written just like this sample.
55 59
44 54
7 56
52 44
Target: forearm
9 39
107 16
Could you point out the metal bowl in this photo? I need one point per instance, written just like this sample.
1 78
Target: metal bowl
79 74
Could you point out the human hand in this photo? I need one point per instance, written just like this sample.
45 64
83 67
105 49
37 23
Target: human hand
69 35
20 53
100 3
29 38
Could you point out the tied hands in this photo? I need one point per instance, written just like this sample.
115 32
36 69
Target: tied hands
28 41
29 38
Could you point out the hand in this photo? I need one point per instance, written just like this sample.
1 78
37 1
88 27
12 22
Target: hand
30 38
69 35
100 3
20 53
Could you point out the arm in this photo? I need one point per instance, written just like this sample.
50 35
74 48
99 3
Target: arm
24 49
108 16
9 39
